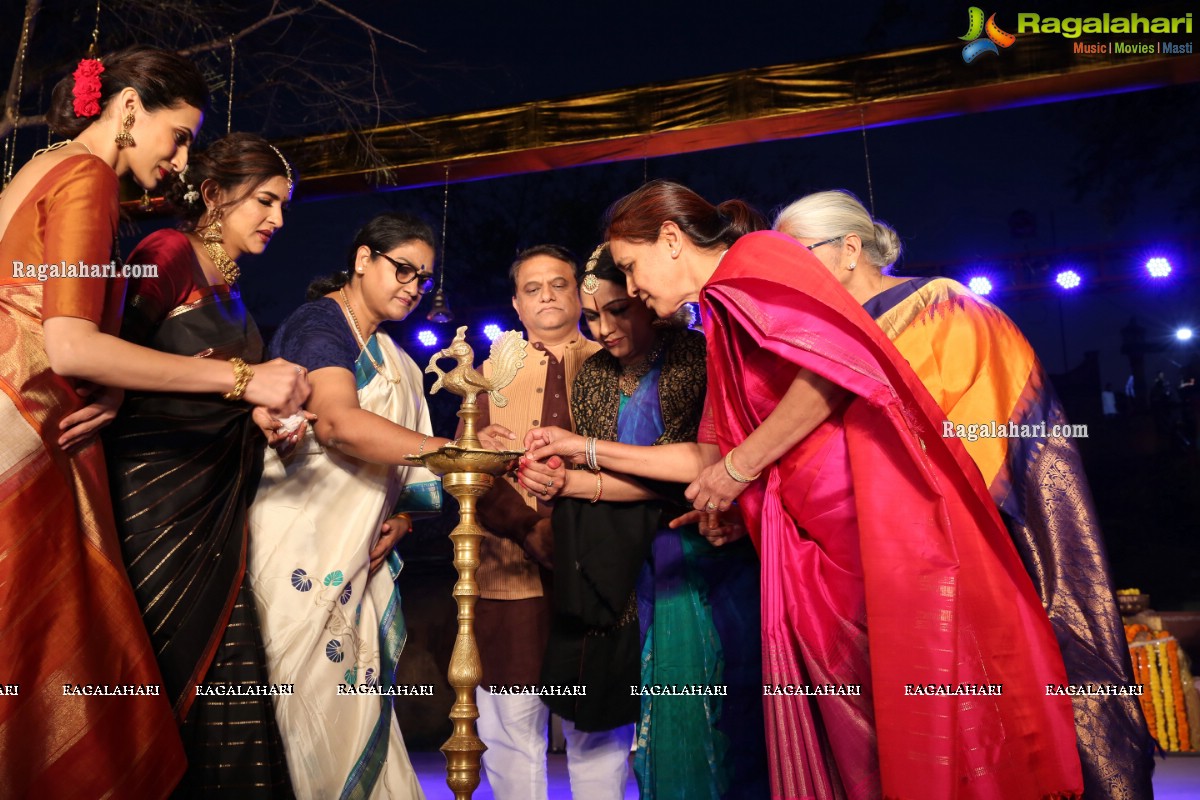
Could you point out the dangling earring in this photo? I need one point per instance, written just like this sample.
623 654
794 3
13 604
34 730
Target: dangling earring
145 205
211 238
211 233
124 138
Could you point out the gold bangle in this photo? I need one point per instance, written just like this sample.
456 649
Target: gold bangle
404 515
242 374
599 487
733 472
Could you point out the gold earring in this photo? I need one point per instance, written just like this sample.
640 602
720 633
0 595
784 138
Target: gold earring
145 205
124 139
212 231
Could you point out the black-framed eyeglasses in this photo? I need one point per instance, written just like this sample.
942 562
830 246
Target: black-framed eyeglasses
407 273
827 241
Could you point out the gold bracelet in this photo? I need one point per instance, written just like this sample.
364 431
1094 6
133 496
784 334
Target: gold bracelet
242 373
404 515
733 473
599 487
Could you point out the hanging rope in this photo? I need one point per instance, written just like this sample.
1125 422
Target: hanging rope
867 158
445 211
229 112
93 50
10 145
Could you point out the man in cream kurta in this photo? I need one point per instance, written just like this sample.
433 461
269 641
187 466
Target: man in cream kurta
513 613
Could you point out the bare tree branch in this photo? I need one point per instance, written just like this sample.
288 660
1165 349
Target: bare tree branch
12 100
222 43
365 25
292 73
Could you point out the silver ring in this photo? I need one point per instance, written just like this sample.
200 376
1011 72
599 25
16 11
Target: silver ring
711 506
299 369
549 485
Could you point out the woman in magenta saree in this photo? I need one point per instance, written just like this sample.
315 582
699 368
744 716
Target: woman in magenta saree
905 652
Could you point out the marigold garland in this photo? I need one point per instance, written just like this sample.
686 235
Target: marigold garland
1156 665
1185 733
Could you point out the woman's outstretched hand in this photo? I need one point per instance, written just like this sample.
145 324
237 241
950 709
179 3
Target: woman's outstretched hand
497 437
541 443
719 528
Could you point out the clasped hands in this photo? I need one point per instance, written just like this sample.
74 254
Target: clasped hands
713 493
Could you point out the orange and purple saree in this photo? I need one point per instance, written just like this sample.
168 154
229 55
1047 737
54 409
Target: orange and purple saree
979 367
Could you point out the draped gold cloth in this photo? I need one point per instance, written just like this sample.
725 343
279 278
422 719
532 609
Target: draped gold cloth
756 105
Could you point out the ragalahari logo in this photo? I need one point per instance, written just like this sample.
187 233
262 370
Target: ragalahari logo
975 28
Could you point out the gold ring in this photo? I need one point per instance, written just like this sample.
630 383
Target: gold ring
711 506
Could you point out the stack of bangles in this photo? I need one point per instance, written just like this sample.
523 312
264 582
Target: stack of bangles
589 455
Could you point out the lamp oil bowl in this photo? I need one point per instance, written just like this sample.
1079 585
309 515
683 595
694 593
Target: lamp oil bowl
468 471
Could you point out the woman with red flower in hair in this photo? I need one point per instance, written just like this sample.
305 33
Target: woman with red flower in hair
71 631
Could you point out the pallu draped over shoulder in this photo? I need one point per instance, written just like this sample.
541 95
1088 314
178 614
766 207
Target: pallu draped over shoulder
886 566
980 368
68 616
331 630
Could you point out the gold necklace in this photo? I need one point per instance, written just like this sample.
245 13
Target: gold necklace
361 343
632 375
221 260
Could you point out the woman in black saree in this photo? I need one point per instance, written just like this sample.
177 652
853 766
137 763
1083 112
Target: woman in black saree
184 468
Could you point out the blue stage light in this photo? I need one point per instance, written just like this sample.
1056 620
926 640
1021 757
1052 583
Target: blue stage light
1158 267
1068 279
980 285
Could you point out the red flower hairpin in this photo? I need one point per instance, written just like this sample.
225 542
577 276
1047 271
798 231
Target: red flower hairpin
87 87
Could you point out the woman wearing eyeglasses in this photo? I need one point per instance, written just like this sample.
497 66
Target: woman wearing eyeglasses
331 619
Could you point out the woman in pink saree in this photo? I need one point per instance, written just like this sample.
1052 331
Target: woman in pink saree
906 654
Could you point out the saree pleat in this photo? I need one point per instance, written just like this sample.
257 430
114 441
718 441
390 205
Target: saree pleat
980 368
876 525
67 613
